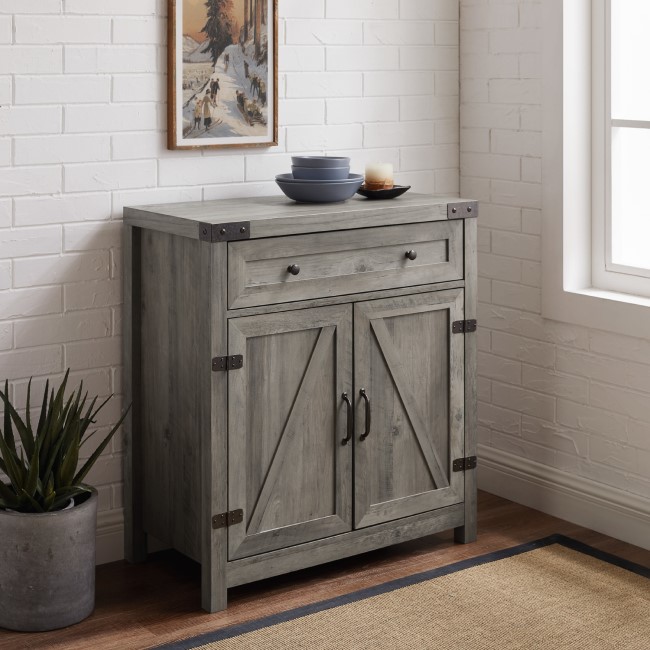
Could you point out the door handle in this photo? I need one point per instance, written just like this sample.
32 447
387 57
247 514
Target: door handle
365 397
350 431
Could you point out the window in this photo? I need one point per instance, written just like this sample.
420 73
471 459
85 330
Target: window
585 279
621 146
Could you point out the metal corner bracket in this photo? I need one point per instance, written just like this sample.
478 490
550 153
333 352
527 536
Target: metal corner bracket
462 210
220 232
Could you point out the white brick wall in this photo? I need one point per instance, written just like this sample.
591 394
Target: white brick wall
82 134
570 398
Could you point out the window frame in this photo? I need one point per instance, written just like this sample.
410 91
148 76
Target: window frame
605 273
568 293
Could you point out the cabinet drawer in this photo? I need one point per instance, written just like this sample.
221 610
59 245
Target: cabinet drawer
343 262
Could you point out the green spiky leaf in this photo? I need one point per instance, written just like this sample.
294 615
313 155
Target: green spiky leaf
34 505
6 492
63 496
9 504
13 468
71 459
43 414
28 415
43 473
8 432
32 477
25 434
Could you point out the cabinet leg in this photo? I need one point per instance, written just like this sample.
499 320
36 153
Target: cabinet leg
214 591
135 538
465 534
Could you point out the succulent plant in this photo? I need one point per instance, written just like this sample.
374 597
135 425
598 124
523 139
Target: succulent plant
42 469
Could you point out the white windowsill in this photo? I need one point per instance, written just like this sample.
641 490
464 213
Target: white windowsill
602 294
597 309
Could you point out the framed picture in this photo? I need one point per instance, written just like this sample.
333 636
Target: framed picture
223 73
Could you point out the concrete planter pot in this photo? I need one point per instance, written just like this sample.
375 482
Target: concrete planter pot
47 567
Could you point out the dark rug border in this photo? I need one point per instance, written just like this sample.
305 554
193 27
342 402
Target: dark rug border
282 617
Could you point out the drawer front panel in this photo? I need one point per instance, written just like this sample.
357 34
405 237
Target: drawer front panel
343 262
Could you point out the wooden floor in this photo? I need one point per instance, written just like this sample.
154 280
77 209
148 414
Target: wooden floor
157 602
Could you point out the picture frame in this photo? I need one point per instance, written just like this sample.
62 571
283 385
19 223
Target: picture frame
222 74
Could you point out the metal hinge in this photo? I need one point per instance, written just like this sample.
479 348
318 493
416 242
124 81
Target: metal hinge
217 232
227 519
462 210
235 362
464 464
464 326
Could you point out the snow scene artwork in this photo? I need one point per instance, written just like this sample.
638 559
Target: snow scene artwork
223 73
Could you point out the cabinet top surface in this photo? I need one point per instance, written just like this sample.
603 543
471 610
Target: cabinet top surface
276 215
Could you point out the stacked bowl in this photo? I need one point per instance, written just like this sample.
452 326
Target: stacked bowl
319 179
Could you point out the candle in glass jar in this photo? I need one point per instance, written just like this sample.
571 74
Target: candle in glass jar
379 176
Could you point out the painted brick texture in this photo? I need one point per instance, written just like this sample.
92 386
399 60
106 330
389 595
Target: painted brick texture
572 398
82 134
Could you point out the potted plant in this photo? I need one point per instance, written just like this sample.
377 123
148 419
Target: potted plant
48 516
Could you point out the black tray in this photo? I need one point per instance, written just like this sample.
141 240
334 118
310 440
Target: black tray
376 195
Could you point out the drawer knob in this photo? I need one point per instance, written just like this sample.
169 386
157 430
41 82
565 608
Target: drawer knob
411 255
294 269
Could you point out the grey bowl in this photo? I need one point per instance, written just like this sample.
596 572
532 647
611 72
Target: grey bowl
319 191
321 173
320 161
289 178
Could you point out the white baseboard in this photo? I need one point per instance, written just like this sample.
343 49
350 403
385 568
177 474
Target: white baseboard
619 514
581 501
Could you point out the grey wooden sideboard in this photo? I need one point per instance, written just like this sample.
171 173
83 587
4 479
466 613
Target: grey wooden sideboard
302 379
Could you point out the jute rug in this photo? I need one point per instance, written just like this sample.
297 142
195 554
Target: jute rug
553 594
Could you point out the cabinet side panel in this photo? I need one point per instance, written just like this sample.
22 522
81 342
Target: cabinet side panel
135 543
171 316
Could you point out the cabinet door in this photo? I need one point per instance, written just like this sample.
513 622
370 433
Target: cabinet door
411 367
288 470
